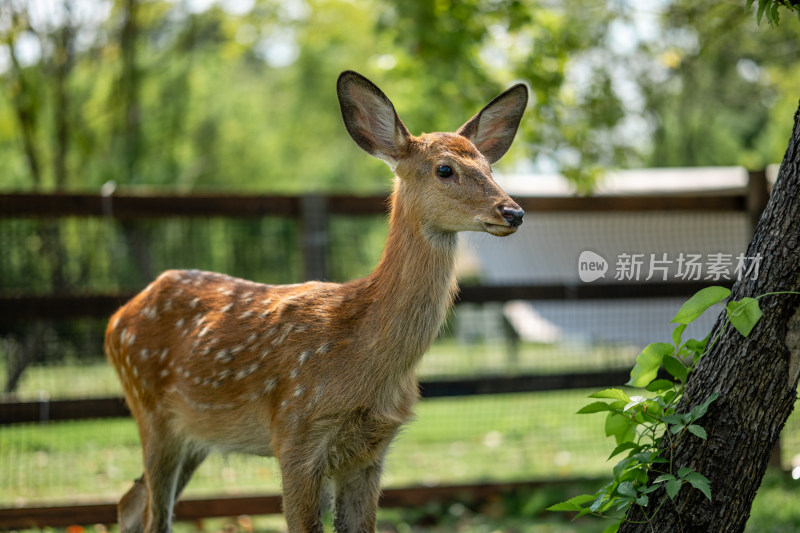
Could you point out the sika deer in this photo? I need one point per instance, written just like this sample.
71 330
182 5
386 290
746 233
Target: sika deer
319 375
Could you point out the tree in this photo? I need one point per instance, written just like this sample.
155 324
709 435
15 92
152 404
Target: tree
756 378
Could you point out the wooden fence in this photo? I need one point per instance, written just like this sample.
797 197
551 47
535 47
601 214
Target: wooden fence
313 212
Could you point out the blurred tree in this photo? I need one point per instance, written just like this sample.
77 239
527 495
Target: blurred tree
716 80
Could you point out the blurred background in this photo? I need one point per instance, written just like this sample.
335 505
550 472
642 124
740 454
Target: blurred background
141 135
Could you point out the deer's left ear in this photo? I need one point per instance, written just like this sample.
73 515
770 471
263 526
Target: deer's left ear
493 129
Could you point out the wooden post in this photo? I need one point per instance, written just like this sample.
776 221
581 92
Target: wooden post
314 217
757 195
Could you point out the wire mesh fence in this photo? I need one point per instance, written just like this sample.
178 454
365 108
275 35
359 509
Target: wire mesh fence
495 438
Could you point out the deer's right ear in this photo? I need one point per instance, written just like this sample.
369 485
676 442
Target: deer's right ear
370 118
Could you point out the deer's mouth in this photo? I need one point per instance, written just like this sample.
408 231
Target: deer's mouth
499 230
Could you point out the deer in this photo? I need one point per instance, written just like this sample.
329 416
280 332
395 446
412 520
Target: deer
319 375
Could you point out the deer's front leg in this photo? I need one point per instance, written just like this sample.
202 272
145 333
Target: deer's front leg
357 493
302 495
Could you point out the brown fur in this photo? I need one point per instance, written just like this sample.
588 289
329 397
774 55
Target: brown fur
319 375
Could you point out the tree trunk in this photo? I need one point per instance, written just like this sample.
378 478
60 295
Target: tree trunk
756 378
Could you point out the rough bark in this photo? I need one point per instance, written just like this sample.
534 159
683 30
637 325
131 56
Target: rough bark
756 378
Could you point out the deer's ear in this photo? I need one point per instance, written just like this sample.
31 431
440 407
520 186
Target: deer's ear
370 118
493 129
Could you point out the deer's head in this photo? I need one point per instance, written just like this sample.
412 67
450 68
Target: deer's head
445 178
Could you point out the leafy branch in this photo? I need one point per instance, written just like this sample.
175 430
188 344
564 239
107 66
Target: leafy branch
647 427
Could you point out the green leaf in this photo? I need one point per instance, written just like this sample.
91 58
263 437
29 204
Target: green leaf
648 362
597 502
660 385
697 430
673 419
673 487
614 394
697 304
664 477
677 334
595 407
621 427
626 489
682 472
744 314
761 5
643 500
676 369
700 482
701 409
621 448
573 504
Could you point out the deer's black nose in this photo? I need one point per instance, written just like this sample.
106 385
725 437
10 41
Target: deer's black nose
513 215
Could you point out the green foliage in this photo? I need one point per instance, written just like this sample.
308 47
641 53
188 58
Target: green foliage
770 9
245 100
647 427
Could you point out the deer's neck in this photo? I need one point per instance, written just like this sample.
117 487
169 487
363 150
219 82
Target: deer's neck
412 287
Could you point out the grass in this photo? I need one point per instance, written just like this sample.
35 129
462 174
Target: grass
491 438
453 440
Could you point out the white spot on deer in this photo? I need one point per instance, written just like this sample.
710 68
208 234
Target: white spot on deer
203 331
187 373
325 348
237 349
246 314
224 374
135 371
300 329
283 336
194 303
304 356
265 313
163 354
131 339
246 297
227 308
149 312
144 353
164 373
168 305
298 391
318 390
251 338
198 320
179 324
284 404
196 381
243 373
294 373
222 355
226 291
270 384
115 323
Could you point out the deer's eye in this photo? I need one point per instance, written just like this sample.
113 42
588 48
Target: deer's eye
444 171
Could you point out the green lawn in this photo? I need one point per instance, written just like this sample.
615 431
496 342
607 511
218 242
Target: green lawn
453 440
